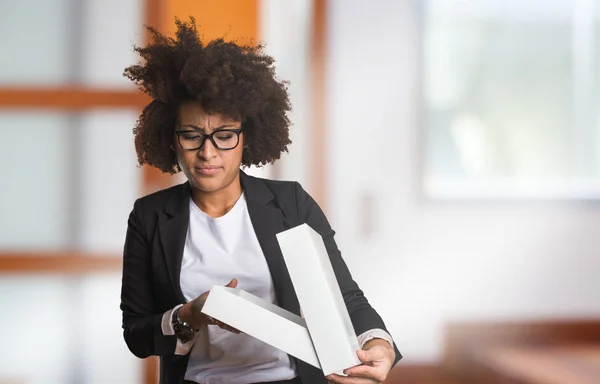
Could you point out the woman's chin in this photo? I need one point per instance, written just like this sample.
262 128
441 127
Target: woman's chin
208 184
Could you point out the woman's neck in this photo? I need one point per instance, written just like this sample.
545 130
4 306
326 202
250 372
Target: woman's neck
218 203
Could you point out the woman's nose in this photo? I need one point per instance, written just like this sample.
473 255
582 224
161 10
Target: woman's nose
208 150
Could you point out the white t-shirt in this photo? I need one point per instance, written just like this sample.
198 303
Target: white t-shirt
217 250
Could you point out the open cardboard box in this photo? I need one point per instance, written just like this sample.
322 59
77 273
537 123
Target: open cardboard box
263 320
325 337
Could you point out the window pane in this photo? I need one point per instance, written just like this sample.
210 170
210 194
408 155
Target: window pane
39 333
55 42
72 181
111 29
34 198
105 356
510 96
111 180
68 343
35 42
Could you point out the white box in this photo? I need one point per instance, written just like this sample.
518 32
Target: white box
320 298
263 320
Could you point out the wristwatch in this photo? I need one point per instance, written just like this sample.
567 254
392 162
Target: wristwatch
183 331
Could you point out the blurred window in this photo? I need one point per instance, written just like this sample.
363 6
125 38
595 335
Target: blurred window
61 42
511 92
35 206
68 184
47 339
70 179
35 42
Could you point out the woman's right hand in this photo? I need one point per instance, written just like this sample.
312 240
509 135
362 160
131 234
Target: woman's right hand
191 312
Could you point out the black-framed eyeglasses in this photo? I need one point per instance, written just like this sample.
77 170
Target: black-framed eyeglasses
193 139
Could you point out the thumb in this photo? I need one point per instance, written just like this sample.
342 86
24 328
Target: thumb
370 355
232 284
363 355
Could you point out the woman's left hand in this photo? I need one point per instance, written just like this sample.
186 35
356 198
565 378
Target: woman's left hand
377 356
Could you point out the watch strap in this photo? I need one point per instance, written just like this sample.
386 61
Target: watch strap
183 331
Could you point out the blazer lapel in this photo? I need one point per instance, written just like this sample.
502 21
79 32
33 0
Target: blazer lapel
172 234
267 220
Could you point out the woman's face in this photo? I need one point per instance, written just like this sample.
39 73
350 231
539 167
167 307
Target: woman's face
208 168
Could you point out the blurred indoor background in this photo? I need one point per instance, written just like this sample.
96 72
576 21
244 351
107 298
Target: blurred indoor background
453 144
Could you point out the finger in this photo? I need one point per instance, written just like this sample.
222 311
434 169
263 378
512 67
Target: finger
338 379
226 327
218 323
361 371
232 284
374 373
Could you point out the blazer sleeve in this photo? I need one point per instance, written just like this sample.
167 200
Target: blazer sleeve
363 316
141 321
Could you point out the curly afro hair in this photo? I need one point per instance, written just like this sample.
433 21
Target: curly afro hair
235 80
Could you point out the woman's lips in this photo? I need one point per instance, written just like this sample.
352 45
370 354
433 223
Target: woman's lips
208 170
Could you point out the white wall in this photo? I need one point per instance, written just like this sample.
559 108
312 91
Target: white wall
434 262
285 29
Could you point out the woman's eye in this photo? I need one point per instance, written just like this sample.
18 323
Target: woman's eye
224 136
191 137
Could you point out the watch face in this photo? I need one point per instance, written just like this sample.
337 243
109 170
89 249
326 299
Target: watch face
182 330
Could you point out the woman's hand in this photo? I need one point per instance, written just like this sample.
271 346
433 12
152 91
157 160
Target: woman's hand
192 314
377 356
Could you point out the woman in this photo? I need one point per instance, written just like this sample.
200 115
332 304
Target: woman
215 108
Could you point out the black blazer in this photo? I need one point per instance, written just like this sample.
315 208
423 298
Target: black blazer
156 233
